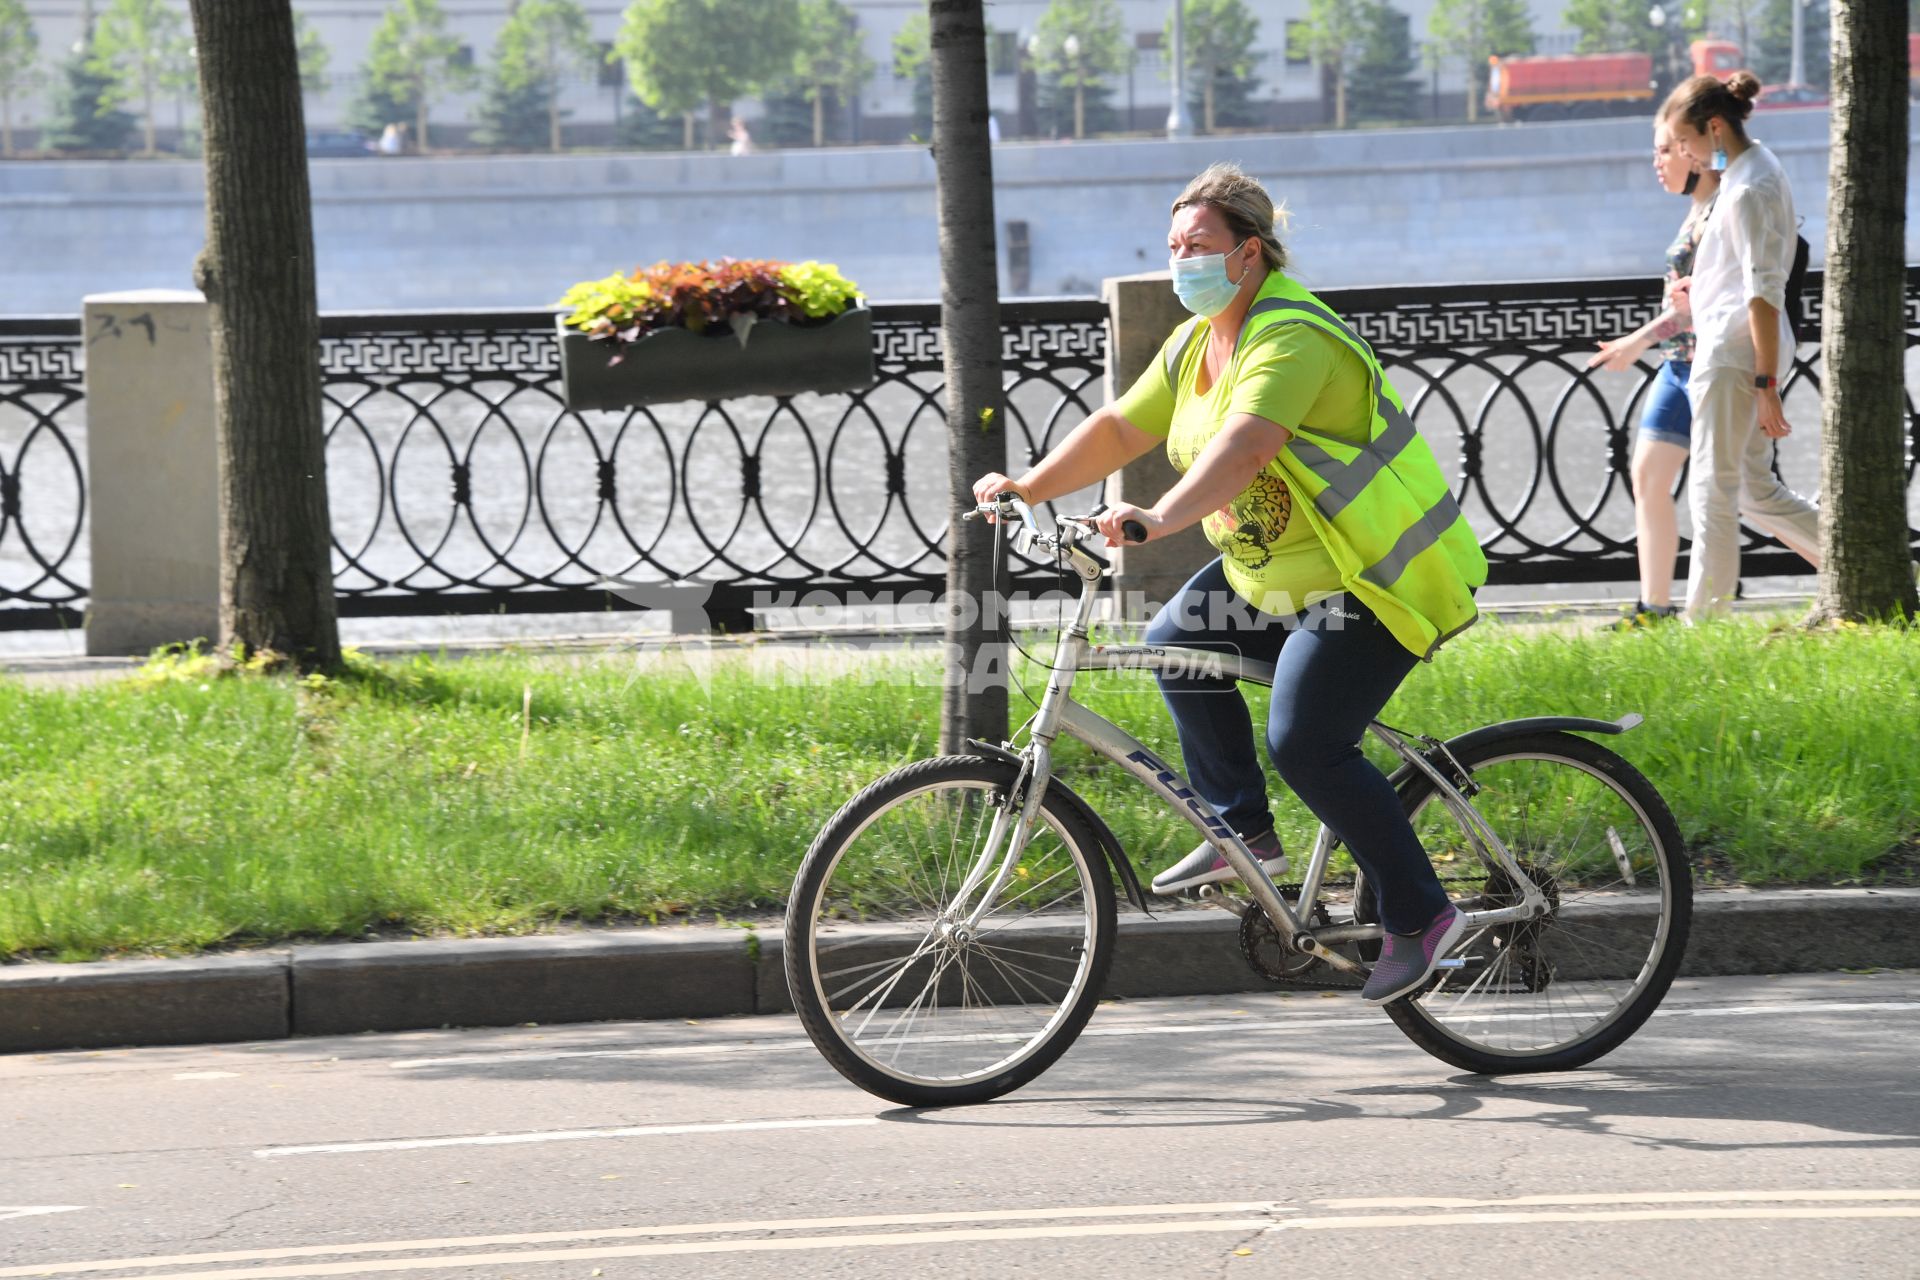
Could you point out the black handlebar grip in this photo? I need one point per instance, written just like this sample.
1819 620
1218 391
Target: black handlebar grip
1133 531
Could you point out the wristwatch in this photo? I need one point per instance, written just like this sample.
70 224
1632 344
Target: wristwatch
1765 381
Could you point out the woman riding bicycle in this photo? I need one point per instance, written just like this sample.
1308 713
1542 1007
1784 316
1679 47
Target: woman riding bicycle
1343 560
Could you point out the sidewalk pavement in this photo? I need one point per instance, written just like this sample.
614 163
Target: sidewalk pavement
704 972
836 645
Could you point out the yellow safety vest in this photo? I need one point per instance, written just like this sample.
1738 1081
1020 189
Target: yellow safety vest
1383 509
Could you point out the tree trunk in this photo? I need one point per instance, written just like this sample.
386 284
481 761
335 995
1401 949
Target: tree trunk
1206 93
146 90
276 576
1473 92
719 121
1866 554
819 116
1339 96
6 125
686 130
974 704
420 119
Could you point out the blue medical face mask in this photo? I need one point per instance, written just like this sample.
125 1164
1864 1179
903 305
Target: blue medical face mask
1201 282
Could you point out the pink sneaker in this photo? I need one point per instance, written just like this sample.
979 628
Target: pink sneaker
1205 866
1407 960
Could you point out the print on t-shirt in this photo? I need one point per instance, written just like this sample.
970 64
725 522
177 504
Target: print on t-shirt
1247 527
1253 521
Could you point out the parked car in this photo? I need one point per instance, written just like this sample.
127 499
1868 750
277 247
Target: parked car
330 143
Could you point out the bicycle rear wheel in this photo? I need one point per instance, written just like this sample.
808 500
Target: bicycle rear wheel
1559 991
898 994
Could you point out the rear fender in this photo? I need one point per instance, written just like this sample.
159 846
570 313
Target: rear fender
1474 739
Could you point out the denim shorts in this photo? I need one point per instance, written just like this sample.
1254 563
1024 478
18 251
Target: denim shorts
1667 418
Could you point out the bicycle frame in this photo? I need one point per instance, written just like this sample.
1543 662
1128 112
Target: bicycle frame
1059 713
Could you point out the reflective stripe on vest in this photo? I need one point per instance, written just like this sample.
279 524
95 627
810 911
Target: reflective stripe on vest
1346 480
1433 524
1177 349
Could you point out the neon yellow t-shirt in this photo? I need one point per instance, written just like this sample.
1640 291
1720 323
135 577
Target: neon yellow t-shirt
1294 375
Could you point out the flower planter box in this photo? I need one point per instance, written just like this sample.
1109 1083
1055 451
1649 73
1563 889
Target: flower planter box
670 365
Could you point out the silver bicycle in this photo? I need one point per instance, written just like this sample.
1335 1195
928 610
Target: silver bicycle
951 927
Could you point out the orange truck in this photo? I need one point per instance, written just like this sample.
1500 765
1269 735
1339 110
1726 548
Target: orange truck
1584 86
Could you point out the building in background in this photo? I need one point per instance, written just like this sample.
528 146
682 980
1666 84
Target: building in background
1288 90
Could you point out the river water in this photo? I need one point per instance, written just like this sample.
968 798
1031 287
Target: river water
562 499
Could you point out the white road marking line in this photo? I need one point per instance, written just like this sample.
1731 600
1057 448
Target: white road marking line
33 1210
369 1266
562 1135
638 1051
684 1229
1834 1006
1611 1197
1289 1023
206 1075
1375 1222
923 1239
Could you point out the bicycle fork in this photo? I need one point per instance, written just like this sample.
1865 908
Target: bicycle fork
1036 771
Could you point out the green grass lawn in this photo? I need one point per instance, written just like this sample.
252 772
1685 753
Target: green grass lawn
184 809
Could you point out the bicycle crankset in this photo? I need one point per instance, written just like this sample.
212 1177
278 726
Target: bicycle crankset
1267 954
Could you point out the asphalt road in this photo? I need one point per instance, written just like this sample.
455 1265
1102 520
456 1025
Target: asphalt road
1756 1127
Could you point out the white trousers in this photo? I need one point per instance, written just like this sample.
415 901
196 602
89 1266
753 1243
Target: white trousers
1730 478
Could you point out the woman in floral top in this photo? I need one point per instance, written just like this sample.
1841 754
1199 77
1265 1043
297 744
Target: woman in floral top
1666 420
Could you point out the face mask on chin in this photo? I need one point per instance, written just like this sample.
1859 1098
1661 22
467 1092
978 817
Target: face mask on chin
1201 283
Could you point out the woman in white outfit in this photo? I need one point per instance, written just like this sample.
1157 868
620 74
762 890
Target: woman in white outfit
1742 342
1666 417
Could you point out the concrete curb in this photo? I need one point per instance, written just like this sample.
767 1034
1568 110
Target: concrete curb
117 1002
706 972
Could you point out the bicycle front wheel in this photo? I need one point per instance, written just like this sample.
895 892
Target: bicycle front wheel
903 990
1558 991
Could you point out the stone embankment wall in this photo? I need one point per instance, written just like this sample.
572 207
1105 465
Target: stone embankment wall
1372 207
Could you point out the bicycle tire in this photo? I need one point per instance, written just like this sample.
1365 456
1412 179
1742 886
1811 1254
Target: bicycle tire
1076 925
1584 951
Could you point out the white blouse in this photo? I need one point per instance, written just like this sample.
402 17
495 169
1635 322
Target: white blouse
1746 252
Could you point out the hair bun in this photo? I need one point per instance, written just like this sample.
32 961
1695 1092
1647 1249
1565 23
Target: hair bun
1745 87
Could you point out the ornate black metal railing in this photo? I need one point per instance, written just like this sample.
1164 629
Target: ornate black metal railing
43 484
1541 447
469 486
460 483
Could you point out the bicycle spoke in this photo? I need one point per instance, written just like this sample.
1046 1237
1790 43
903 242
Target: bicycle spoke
1560 979
922 1005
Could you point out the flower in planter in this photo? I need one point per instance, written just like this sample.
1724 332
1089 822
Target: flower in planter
727 297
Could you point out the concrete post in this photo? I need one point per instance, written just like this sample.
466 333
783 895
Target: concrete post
151 471
1141 312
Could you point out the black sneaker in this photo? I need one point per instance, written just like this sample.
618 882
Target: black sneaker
1647 615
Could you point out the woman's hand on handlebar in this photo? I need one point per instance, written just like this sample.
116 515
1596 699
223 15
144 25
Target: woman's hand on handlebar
993 484
1114 520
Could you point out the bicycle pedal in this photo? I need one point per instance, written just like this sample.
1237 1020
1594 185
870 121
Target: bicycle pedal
1457 962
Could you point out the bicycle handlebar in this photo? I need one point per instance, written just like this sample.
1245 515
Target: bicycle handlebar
1010 504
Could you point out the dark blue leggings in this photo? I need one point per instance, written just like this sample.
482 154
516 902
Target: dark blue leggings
1335 666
